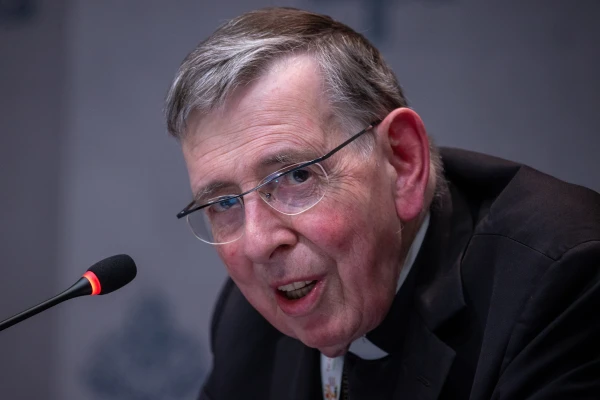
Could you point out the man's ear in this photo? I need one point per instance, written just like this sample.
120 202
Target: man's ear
408 153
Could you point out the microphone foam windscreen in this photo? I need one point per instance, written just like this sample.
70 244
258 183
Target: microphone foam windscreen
114 272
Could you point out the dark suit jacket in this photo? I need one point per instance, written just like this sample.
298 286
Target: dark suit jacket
503 302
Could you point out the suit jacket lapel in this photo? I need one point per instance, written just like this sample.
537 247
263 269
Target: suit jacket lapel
296 371
426 358
439 293
426 361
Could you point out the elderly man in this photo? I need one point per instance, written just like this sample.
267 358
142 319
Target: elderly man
365 263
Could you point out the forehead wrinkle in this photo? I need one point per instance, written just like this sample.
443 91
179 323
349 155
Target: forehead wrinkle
255 128
249 143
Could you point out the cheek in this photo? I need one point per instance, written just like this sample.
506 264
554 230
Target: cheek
360 236
228 252
231 255
243 274
338 231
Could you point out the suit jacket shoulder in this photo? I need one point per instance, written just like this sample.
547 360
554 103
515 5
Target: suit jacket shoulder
525 205
531 275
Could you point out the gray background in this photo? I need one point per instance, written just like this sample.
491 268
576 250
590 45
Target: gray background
87 170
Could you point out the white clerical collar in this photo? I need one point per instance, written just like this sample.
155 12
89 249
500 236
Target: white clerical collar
362 346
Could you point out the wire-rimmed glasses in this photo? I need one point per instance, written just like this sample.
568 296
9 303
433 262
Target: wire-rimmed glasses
291 191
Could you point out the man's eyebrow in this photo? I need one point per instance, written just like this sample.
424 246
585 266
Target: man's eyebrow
206 192
287 157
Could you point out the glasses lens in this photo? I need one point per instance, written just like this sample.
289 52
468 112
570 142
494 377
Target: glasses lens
296 190
219 223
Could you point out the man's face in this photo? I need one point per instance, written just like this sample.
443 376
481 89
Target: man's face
348 245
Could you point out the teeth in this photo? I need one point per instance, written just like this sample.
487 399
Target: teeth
294 286
297 290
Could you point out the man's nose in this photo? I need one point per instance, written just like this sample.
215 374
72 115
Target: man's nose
267 231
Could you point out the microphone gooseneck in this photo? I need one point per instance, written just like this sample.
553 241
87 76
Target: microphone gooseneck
104 277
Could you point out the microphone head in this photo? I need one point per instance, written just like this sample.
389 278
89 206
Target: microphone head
114 272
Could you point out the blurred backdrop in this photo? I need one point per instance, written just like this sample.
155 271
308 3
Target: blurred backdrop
87 169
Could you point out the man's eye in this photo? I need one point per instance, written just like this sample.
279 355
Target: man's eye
225 205
299 176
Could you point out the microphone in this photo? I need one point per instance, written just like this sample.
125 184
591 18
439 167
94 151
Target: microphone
104 277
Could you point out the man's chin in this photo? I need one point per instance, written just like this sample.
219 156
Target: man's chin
334 351
328 344
332 342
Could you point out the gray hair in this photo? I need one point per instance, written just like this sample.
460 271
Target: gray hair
360 86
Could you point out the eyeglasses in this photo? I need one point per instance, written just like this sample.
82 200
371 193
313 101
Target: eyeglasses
291 191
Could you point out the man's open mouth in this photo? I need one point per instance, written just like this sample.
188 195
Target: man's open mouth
296 290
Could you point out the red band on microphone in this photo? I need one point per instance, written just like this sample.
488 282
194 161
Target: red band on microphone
93 279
